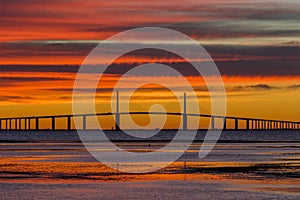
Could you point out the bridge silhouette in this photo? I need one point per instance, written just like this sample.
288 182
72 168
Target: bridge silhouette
24 123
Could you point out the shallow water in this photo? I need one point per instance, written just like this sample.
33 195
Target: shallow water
242 165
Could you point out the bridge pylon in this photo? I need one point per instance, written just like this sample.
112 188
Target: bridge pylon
117 116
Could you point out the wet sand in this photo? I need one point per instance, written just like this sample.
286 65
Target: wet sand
233 170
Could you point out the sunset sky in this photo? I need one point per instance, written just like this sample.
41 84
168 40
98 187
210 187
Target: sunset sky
254 43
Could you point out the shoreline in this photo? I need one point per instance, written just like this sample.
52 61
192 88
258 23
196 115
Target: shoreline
151 141
275 136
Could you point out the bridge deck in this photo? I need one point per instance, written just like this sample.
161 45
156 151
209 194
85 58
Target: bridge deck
251 123
24 123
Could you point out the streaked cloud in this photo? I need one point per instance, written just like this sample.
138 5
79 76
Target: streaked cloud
255 44
33 20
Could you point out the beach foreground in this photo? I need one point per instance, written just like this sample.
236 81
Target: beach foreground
51 165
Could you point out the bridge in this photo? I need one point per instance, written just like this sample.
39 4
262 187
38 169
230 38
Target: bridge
25 123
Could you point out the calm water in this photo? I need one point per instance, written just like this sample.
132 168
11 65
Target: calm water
243 165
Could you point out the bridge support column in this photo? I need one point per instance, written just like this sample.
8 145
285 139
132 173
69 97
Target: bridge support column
247 124
37 124
280 125
117 123
117 117
224 123
25 124
16 124
84 122
184 116
29 126
69 123
212 122
53 124
271 125
236 123
0 124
